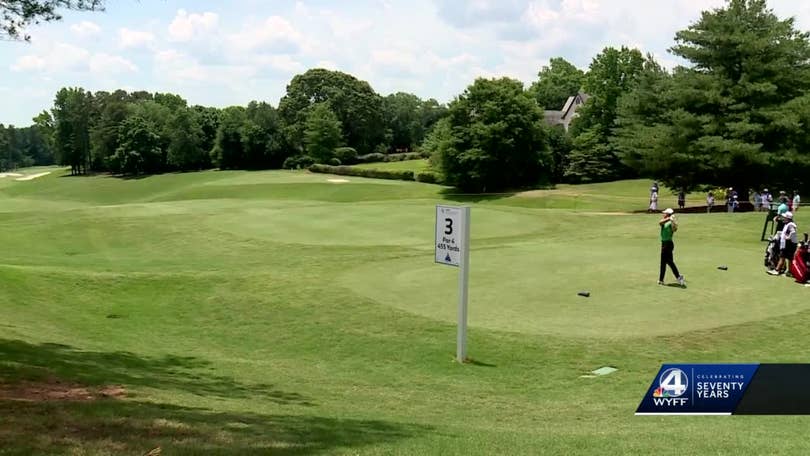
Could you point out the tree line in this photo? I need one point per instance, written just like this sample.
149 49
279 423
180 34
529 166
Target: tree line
325 116
735 115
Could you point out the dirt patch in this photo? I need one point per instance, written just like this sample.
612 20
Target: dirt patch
338 181
56 390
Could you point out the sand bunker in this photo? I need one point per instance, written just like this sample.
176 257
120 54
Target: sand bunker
32 176
338 181
10 175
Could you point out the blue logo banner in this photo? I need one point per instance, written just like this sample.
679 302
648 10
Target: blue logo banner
697 389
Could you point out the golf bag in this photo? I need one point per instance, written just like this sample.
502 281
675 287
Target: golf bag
772 252
799 266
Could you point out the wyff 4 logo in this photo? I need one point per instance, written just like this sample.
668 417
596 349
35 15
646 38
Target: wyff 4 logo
672 384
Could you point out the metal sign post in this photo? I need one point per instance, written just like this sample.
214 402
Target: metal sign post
453 249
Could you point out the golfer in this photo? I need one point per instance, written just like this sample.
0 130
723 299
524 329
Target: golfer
668 227
787 245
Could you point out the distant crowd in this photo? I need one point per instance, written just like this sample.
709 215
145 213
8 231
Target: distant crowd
762 201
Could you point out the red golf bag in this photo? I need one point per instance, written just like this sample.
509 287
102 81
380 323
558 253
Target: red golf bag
799 265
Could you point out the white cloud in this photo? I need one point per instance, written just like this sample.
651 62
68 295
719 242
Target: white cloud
128 38
187 27
102 63
274 33
85 28
283 63
327 64
180 68
63 57
58 57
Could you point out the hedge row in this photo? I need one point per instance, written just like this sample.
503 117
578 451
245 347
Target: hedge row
377 158
359 172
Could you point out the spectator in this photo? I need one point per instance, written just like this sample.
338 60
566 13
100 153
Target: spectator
654 201
709 202
796 201
757 201
731 199
787 244
766 200
681 199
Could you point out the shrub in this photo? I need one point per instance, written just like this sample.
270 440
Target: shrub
334 161
290 163
305 161
298 162
346 155
359 172
371 158
428 177
403 157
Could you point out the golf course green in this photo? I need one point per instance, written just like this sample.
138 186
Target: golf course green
290 313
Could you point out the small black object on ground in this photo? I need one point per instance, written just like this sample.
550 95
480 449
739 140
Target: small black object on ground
585 294
723 268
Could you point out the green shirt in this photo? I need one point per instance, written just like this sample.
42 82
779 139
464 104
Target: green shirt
666 232
782 209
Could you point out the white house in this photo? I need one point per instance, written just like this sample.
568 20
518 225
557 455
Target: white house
568 112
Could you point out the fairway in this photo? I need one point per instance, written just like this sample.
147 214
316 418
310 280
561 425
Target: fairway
280 313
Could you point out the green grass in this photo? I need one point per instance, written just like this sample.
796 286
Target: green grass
279 313
405 165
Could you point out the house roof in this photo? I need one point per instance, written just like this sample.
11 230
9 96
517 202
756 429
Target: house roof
574 101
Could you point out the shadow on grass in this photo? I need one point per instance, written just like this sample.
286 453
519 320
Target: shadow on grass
475 362
127 427
23 361
675 285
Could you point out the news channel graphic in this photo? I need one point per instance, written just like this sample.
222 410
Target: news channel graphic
728 389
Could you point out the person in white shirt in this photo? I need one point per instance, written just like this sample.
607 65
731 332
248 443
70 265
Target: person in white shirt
796 201
654 201
787 244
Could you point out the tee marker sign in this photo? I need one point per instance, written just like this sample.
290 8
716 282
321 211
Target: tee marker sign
453 249
449 233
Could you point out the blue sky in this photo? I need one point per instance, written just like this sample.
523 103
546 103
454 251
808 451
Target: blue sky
222 53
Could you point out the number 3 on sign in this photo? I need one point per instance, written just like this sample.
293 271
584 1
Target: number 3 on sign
449 243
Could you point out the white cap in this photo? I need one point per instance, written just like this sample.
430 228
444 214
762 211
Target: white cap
788 214
669 211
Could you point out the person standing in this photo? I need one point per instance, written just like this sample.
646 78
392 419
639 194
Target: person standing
709 202
757 201
780 220
730 199
668 226
796 201
787 245
654 202
681 199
